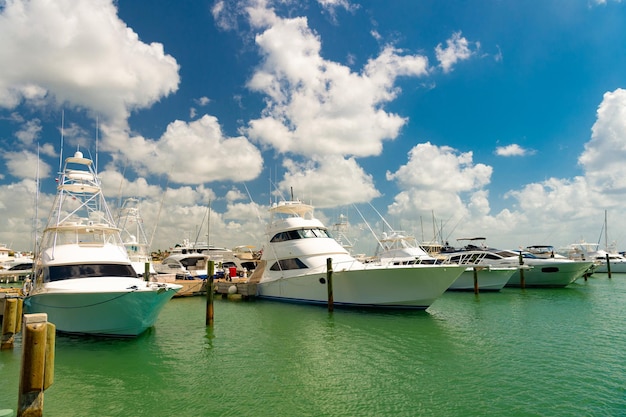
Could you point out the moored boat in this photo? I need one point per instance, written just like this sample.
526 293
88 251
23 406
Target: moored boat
83 278
293 268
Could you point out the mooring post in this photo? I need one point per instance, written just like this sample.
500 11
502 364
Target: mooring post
37 372
329 283
475 279
608 266
209 293
522 283
10 322
146 272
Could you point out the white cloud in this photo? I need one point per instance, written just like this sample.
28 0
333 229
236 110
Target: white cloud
29 132
436 180
79 54
329 181
23 164
513 150
319 107
189 153
457 49
604 155
442 169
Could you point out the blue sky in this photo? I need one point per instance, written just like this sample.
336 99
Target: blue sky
501 119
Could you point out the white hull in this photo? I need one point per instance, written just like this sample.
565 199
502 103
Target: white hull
107 306
556 274
489 279
616 267
392 286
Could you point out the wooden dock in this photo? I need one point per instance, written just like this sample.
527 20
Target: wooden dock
244 288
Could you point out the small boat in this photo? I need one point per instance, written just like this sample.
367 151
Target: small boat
489 276
545 272
616 261
83 277
293 268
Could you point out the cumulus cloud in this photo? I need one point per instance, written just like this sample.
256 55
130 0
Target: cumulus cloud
190 153
82 55
457 49
319 107
427 162
435 178
604 155
29 132
513 150
330 181
23 164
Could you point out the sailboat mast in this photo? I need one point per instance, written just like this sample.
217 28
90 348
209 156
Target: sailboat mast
606 233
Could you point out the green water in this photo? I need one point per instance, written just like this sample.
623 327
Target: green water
534 352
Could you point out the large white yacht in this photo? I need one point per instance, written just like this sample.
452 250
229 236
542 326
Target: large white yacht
293 267
83 278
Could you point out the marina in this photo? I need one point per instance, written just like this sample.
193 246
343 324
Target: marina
516 352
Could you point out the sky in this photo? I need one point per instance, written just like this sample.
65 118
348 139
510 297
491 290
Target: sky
501 119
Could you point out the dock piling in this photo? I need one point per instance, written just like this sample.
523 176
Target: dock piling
475 279
329 283
146 272
210 292
37 371
10 322
522 282
608 266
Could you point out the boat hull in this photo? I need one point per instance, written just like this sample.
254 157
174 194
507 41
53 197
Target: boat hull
488 279
616 267
402 287
557 274
123 307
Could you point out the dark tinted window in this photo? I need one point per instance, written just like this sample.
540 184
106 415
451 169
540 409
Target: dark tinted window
286 264
58 273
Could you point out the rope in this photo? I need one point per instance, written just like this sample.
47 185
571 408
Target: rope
134 288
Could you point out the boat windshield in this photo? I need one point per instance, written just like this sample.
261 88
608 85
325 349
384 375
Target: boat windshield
300 234
61 272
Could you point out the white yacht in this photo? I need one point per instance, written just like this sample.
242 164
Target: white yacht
293 267
83 278
538 272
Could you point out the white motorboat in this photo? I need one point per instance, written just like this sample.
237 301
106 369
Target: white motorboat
397 248
616 261
293 268
83 278
538 272
544 272
489 276
185 266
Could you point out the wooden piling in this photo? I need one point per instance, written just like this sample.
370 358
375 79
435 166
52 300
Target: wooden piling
210 292
37 371
608 266
146 272
475 280
329 283
10 324
522 282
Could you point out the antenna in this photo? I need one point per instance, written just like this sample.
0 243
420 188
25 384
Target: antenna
256 208
97 129
62 133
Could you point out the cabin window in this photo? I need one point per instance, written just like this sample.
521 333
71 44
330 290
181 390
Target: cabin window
299 234
286 264
61 272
